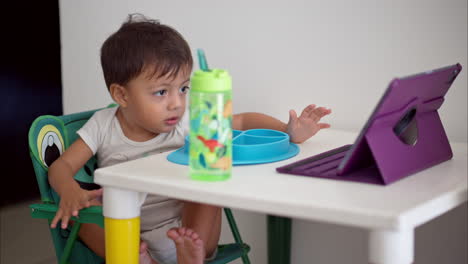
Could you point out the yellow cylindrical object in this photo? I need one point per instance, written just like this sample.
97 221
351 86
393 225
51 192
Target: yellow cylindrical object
122 240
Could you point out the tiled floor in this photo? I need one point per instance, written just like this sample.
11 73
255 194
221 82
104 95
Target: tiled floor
24 240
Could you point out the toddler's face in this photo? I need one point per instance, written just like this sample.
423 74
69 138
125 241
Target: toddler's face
156 105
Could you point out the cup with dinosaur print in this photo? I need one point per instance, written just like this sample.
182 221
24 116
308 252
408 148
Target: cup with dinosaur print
210 139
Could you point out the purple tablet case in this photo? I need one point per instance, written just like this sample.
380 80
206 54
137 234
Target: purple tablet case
404 135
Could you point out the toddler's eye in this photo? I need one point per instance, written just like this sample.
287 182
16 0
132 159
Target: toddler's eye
184 89
160 92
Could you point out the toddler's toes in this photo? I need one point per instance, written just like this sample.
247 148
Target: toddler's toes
195 236
143 246
188 232
198 242
173 233
190 249
182 231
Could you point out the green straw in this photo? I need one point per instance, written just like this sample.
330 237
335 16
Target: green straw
202 60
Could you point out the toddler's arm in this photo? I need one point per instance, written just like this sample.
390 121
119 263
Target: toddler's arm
61 172
299 128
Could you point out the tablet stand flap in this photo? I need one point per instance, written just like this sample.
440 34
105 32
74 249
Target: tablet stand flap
398 154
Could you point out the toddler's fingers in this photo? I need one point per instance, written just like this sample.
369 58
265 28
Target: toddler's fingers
308 110
323 125
94 202
292 116
57 217
315 115
321 112
95 194
65 219
324 111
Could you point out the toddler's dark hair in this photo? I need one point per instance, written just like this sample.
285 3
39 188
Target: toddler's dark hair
143 44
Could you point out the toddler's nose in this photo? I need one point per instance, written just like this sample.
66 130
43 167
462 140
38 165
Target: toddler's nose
174 102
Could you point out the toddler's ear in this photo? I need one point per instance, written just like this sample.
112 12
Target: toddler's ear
118 94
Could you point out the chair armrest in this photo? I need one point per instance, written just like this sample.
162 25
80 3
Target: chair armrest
91 214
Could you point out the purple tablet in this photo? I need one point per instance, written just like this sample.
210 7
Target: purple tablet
403 135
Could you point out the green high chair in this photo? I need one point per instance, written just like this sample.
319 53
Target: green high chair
49 136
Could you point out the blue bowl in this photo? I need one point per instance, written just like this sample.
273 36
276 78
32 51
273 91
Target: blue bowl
252 146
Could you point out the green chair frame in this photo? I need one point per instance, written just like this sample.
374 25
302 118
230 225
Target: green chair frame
61 131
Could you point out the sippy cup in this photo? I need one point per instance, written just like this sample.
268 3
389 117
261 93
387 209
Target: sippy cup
210 139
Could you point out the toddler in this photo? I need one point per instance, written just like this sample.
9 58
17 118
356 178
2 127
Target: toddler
147 67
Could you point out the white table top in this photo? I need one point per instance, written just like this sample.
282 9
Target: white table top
406 203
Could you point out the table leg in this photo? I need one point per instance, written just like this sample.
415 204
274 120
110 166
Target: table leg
279 240
391 246
121 209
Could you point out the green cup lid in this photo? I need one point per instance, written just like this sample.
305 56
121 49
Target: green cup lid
215 80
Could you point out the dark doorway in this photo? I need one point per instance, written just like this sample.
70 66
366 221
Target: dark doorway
30 86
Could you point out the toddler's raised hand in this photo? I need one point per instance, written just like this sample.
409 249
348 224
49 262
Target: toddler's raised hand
71 201
307 124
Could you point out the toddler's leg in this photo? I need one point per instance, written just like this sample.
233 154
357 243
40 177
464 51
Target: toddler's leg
205 220
93 236
189 246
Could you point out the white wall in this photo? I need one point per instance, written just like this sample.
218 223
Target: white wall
283 55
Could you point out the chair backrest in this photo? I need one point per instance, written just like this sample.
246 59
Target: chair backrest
48 137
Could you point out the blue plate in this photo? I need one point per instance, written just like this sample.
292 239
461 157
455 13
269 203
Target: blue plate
252 146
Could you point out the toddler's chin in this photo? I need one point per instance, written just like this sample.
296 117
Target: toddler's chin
166 129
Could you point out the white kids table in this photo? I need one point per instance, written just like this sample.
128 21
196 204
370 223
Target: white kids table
390 213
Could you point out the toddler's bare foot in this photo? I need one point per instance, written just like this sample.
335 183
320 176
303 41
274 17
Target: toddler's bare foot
189 246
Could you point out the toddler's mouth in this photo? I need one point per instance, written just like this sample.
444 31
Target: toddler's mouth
171 121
